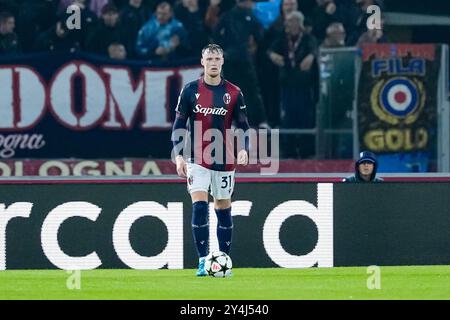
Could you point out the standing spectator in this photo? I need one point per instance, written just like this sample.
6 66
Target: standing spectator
88 20
373 36
267 11
57 38
192 16
215 10
151 4
335 36
133 16
96 6
323 15
270 88
107 31
360 22
34 18
287 6
9 42
294 52
117 51
163 37
238 32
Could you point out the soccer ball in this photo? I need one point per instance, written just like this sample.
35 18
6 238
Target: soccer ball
218 264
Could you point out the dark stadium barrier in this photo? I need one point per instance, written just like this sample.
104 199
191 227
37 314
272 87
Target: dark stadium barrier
146 224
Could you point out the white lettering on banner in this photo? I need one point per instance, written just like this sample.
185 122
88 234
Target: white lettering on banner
94 104
124 98
49 235
17 209
111 97
11 142
14 169
322 254
156 91
150 167
22 98
61 166
172 217
78 168
112 169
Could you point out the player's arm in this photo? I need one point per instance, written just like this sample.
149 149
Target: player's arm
241 120
183 111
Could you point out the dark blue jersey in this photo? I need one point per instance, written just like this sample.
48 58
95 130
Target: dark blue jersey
212 107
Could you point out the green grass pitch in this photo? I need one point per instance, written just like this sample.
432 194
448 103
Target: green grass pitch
407 282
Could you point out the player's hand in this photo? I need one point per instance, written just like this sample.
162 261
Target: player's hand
307 62
214 2
242 158
181 167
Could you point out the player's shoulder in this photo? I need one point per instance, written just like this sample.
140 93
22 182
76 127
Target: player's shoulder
190 87
232 87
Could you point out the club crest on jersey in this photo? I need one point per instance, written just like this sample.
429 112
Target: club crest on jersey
227 98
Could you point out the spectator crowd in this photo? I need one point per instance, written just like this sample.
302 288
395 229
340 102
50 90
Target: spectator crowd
270 47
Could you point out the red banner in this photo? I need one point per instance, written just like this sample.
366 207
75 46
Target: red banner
144 167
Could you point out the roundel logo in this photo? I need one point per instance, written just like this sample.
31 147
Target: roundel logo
226 98
399 97
398 100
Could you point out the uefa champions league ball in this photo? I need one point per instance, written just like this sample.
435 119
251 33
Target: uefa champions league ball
218 264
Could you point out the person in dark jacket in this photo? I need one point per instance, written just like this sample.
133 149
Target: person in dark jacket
294 53
57 39
33 19
108 30
365 169
239 32
9 41
133 16
191 14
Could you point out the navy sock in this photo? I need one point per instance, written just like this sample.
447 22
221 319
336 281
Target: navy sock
200 227
224 229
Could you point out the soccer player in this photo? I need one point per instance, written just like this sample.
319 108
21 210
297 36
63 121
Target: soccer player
210 103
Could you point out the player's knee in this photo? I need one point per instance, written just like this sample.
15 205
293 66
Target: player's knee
222 204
